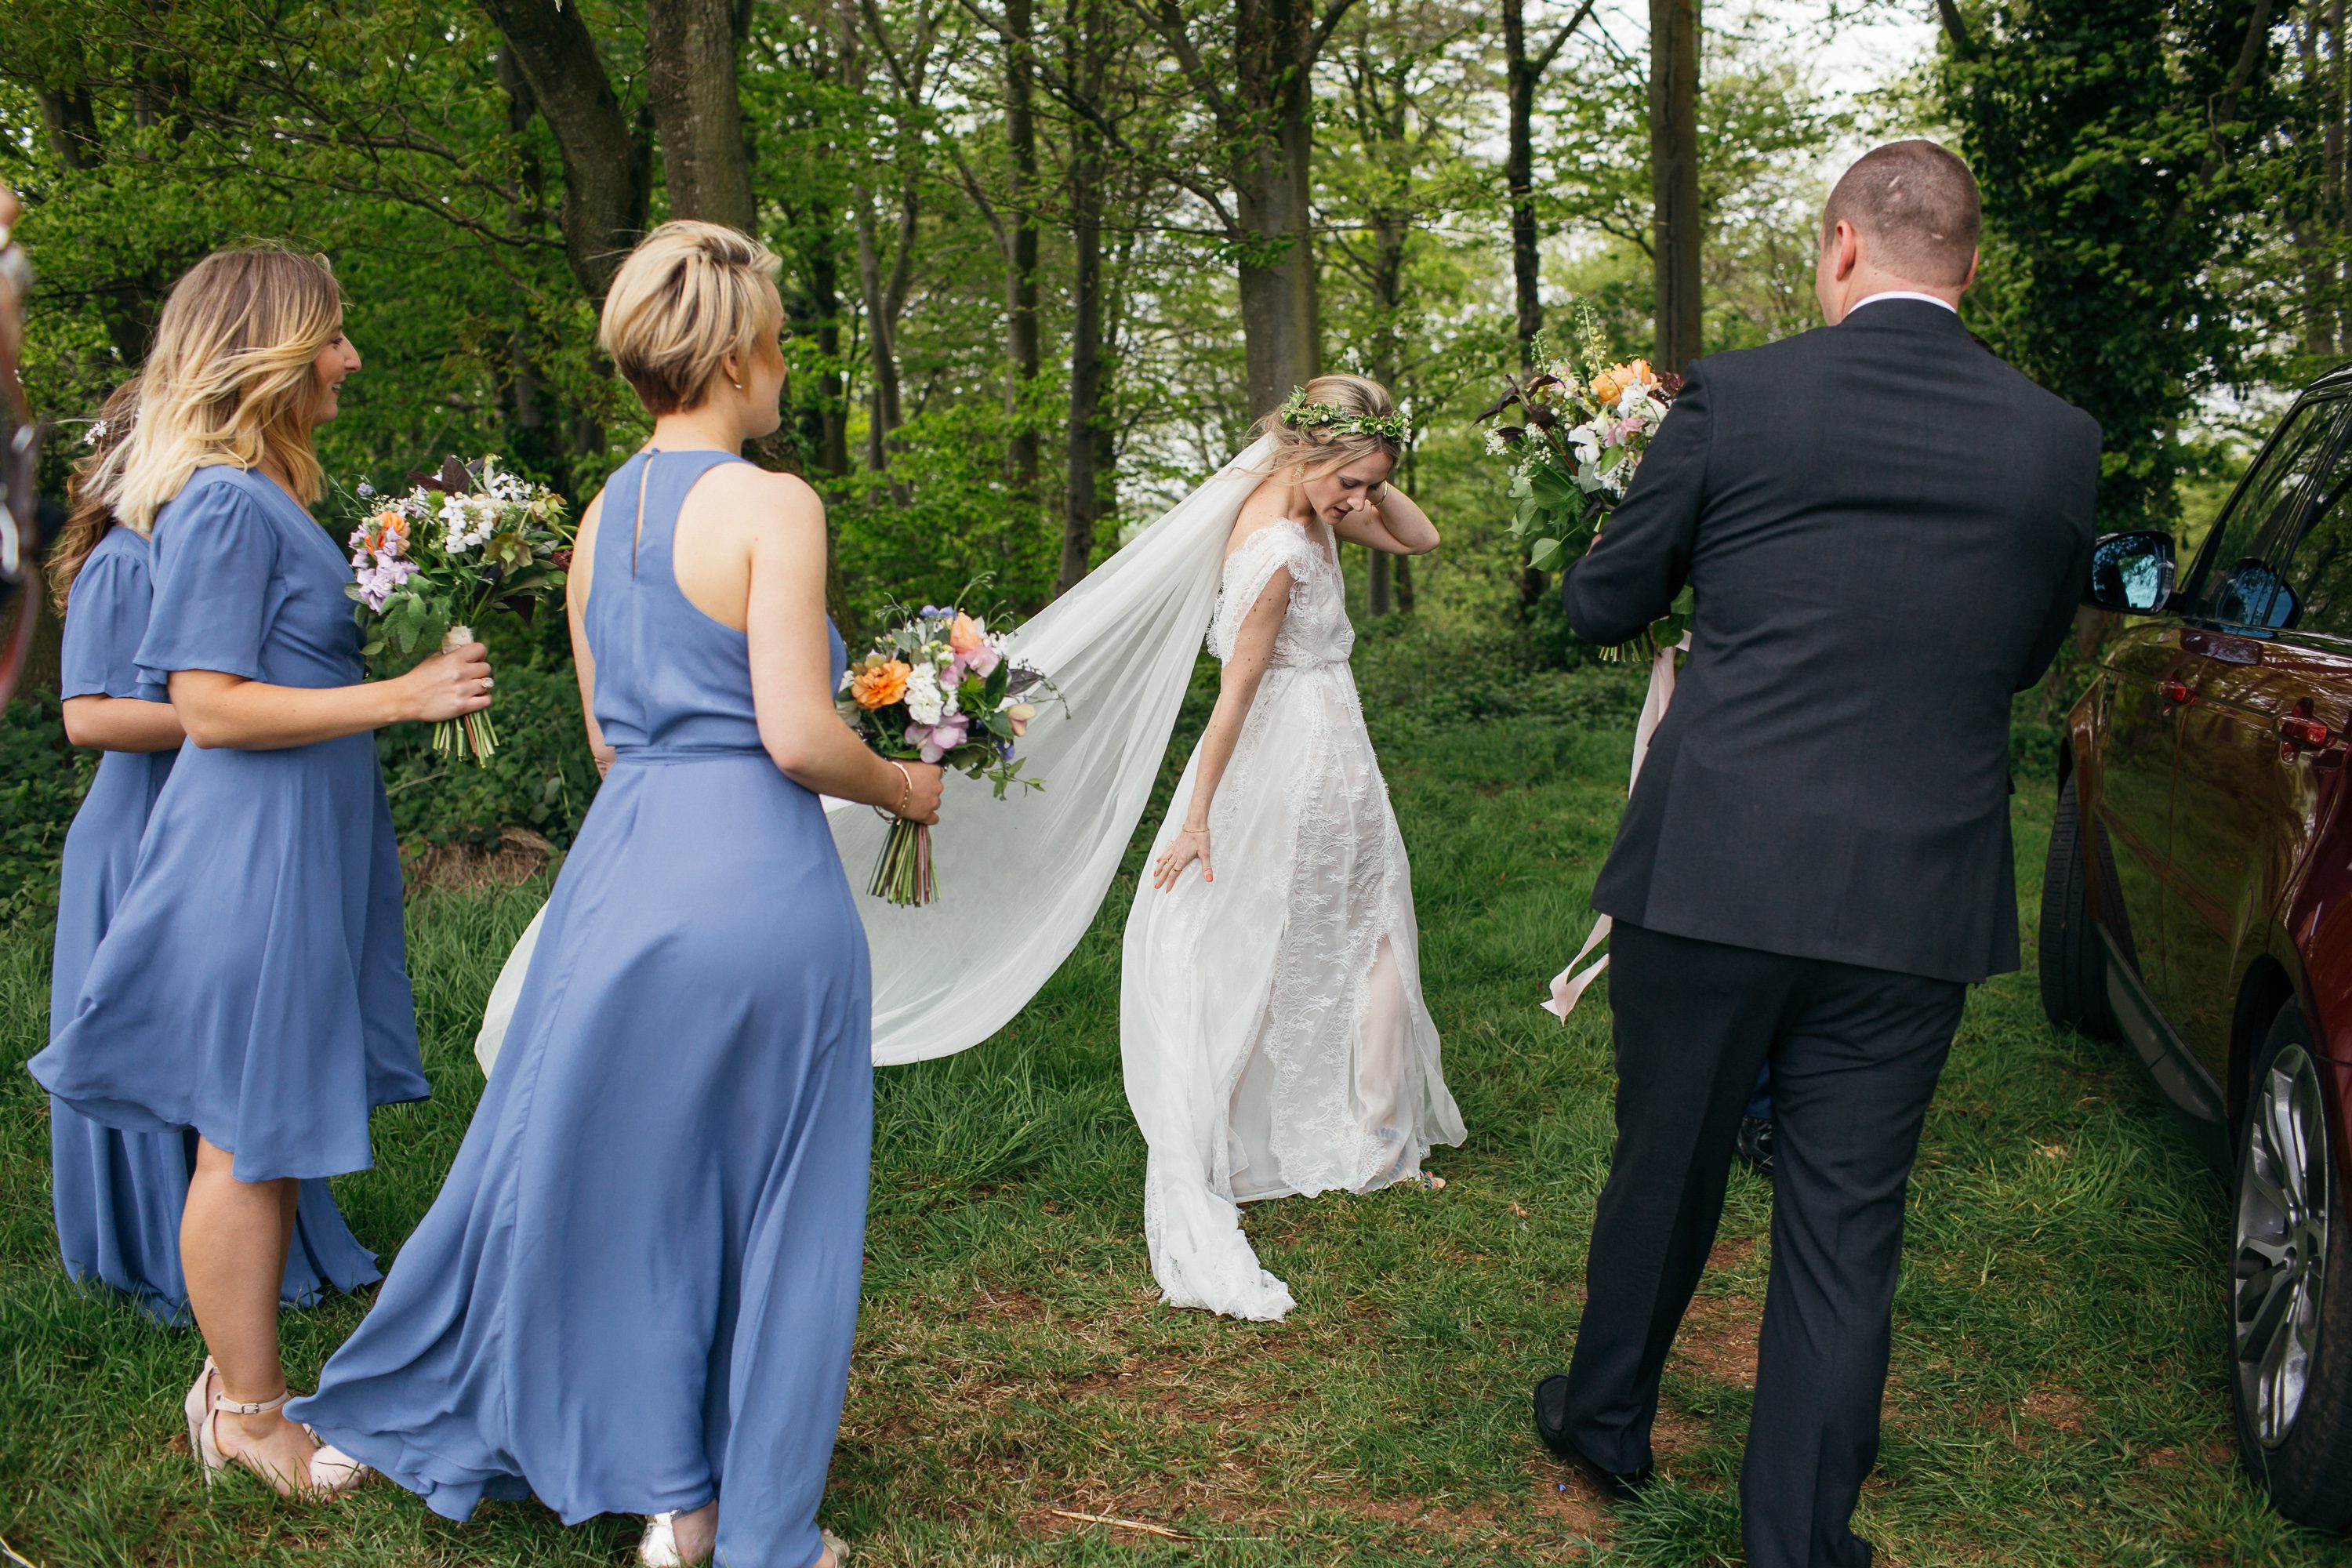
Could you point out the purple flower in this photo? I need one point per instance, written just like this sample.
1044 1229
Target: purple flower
945 737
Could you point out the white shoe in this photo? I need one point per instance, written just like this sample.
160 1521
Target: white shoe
657 1547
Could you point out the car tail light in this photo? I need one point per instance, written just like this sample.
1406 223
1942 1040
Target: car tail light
2304 731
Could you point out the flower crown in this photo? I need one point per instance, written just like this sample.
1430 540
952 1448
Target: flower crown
1394 428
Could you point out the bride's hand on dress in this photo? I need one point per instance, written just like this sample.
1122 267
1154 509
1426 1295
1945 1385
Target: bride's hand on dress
1190 845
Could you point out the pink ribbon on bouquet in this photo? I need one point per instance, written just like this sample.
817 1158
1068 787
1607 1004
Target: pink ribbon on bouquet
1567 987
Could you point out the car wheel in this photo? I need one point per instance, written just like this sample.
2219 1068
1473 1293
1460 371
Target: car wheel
2290 1296
2072 961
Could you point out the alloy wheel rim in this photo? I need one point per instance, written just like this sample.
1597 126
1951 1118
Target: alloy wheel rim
2280 1261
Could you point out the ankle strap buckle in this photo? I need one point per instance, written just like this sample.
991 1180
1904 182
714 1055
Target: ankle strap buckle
227 1406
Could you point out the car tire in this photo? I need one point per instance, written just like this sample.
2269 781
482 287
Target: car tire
2290 1310
2073 962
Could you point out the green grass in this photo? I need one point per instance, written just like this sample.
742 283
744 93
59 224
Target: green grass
2057 1394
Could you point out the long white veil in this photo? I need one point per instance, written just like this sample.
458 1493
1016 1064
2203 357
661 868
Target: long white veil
1020 879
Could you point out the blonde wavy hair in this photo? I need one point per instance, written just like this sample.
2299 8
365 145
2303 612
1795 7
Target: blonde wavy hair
688 294
231 378
93 491
1316 442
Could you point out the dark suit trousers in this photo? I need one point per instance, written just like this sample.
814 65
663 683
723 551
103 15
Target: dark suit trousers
1854 1054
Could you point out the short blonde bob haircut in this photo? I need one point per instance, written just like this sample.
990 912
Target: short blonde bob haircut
688 294
1320 447
231 378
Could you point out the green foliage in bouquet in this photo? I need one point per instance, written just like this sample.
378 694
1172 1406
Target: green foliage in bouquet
1584 421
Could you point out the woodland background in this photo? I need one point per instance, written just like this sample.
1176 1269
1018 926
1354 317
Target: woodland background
1046 259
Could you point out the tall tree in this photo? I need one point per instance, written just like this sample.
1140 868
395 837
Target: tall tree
2111 139
1021 345
692 48
1673 180
1522 74
1250 71
607 159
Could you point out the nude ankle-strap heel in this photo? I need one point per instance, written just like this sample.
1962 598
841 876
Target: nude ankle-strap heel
331 1470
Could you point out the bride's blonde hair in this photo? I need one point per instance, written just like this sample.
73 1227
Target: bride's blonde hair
231 378
1332 421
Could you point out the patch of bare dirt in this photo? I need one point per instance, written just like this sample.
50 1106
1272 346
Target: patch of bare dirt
1718 1342
520 855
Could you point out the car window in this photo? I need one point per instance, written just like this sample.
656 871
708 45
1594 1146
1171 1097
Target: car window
2318 560
2236 577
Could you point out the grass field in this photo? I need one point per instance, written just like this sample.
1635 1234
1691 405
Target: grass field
2057 1394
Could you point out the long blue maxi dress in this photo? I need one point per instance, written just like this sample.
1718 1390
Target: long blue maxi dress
252 983
639 1285
118 1196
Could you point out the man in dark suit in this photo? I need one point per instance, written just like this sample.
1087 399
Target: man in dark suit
1886 530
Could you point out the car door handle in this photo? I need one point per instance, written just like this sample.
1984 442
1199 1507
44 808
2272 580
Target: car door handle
2176 691
2222 649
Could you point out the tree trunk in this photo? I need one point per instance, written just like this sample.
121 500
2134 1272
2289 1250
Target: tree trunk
1021 350
1081 500
815 309
690 49
1273 183
1519 177
607 162
1674 179
881 336
2336 104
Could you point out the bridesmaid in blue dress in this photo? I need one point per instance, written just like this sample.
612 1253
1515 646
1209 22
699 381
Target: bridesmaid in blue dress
118 1196
250 986
637 1290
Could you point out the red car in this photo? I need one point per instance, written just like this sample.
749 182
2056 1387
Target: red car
2198 905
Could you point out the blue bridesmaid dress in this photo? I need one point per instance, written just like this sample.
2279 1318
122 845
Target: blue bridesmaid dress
118 1196
252 984
639 1285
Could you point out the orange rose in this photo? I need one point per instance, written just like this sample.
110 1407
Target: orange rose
965 634
389 524
879 685
1610 384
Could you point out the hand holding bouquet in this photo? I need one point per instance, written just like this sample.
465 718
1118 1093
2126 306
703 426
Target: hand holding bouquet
1580 439
938 687
427 565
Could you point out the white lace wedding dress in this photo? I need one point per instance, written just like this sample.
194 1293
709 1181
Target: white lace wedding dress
1271 1021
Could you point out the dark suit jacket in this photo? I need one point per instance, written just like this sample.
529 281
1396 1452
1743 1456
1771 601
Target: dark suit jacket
1886 530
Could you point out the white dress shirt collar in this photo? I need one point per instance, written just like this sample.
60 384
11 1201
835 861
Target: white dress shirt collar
1901 294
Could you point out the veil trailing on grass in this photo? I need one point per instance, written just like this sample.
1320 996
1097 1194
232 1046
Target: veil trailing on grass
1019 878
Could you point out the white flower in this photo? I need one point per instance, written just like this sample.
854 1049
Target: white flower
1634 397
1495 444
96 432
923 700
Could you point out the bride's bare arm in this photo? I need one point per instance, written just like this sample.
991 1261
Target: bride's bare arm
1236 690
1395 523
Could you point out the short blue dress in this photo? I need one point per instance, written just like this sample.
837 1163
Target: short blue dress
118 1196
638 1287
252 983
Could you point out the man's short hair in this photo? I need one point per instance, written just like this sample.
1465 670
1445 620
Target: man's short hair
1916 204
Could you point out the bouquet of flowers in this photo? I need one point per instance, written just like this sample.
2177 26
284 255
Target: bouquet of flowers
938 687
1578 441
428 564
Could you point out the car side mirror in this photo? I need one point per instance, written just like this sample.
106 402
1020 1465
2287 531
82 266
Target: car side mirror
2131 573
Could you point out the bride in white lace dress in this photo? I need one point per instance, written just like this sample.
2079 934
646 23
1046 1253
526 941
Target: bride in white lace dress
1273 1032
1271 1017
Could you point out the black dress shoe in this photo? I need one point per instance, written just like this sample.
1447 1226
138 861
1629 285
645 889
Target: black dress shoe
1552 1426
1754 1145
